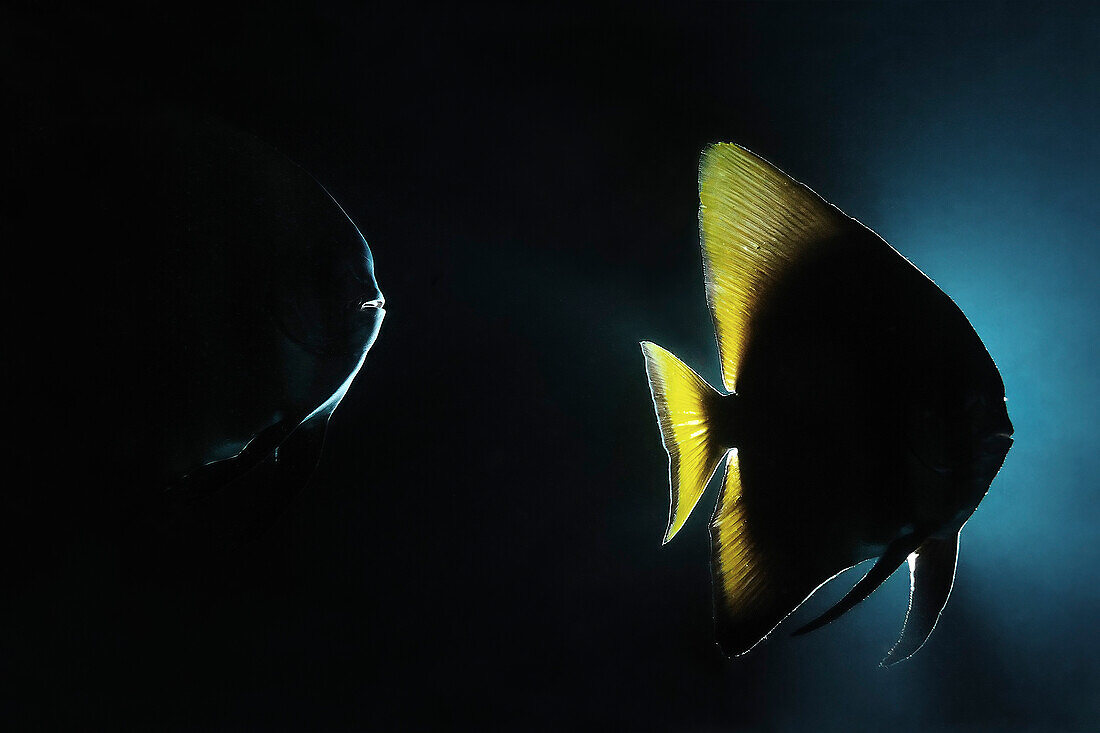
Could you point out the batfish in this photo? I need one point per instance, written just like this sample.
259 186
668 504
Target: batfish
221 304
863 417
269 306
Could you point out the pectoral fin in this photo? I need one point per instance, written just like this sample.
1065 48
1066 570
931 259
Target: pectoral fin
931 573
893 557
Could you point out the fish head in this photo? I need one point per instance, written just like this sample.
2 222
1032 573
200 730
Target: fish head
989 433
958 438
328 308
983 428
312 345
227 303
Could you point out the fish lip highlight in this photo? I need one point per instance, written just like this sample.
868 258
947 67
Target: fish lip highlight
375 304
998 440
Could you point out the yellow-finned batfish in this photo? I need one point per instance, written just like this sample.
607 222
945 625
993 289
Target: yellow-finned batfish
865 419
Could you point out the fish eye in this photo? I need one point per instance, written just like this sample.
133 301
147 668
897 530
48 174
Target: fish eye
975 402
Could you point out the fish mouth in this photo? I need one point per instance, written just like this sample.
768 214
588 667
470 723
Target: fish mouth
989 457
996 445
375 304
346 330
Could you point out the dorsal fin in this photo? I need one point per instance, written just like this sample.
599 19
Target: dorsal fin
755 222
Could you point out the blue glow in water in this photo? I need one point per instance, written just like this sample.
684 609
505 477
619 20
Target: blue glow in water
985 178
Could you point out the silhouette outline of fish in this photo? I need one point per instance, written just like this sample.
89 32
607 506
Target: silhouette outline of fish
864 417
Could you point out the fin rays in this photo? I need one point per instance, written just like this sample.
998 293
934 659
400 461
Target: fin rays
684 403
754 590
741 592
754 222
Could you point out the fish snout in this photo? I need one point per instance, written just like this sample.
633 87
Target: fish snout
374 308
372 312
373 303
996 444
998 437
989 456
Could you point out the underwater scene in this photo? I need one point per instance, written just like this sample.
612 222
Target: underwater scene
671 366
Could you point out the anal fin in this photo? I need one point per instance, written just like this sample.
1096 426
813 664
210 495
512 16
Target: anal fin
931 576
757 584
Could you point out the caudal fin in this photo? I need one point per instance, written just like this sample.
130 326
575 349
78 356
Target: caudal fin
685 406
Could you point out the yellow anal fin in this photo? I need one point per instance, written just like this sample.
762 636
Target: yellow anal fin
755 221
754 589
685 404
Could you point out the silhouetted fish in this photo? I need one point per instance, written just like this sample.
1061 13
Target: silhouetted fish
865 417
232 302
269 306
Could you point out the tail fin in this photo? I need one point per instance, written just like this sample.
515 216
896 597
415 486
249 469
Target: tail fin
685 406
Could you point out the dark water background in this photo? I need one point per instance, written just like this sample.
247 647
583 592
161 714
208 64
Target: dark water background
480 547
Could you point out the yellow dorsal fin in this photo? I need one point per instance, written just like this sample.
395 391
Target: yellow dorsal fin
754 221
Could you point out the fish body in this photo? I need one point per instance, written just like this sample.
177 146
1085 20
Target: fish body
275 297
221 304
274 305
865 418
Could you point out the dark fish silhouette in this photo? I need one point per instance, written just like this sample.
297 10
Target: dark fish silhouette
865 417
232 302
270 305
